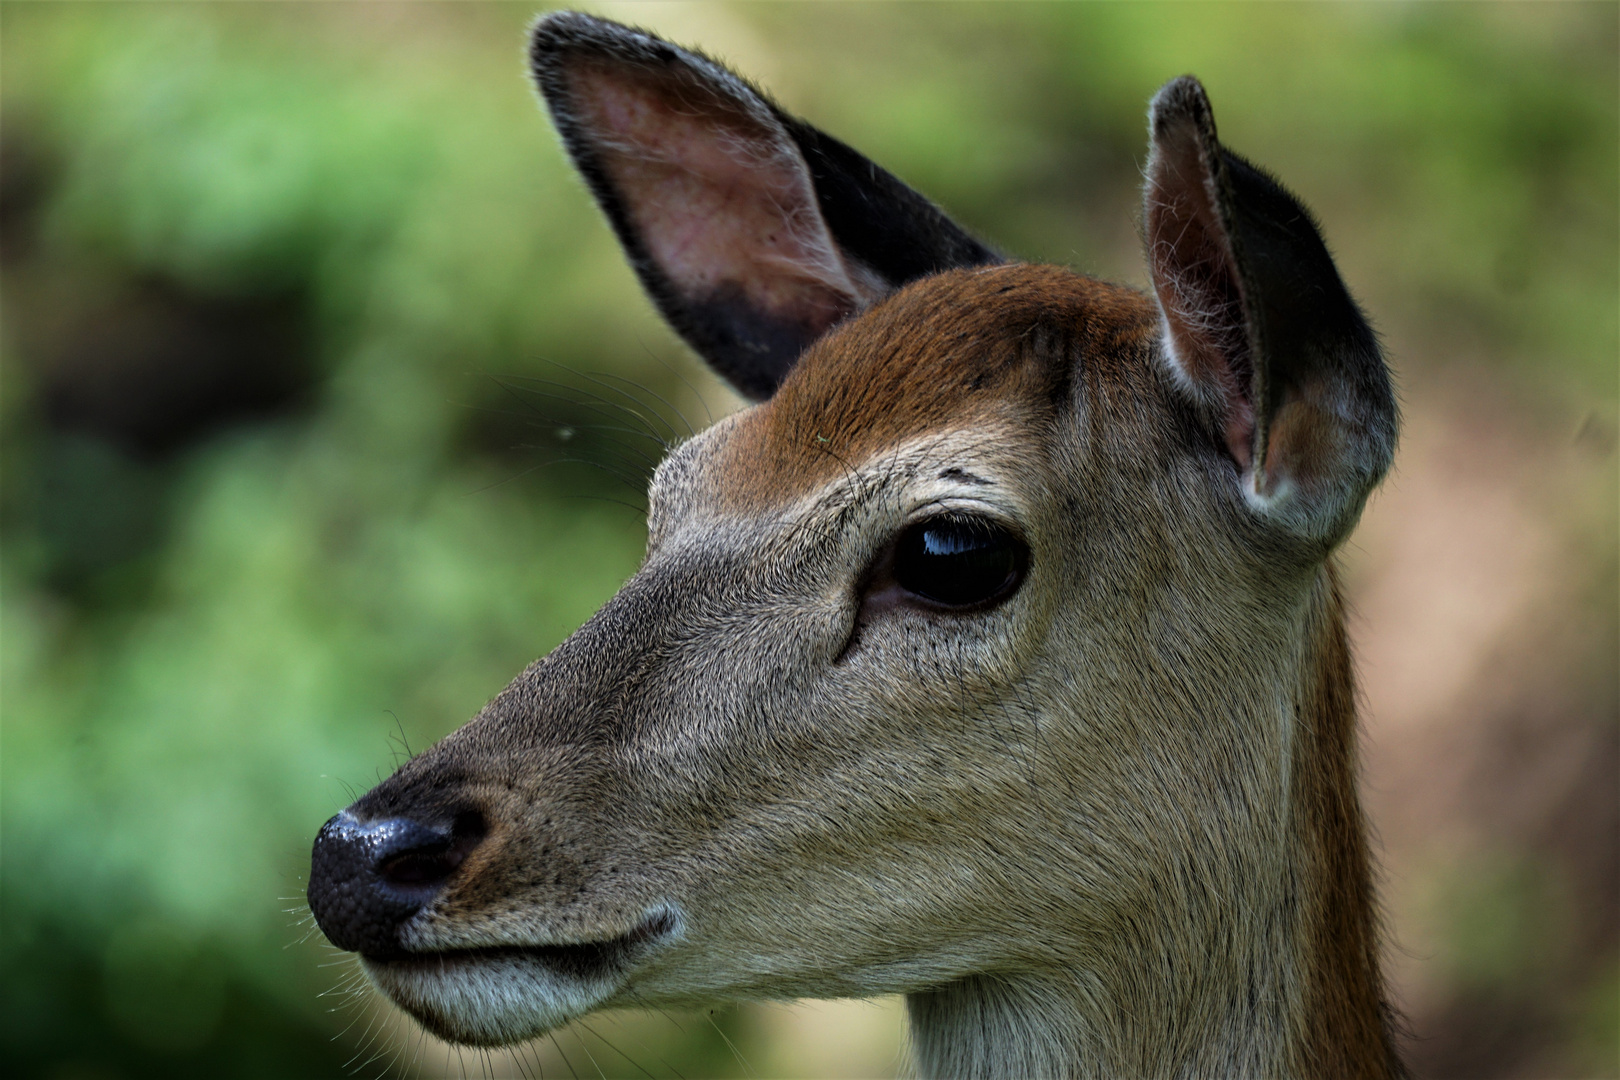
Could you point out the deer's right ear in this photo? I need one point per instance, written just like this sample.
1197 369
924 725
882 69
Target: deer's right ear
1260 329
752 231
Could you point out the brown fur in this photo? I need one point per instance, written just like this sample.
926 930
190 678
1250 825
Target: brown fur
1353 1029
1159 880
972 344
1103 825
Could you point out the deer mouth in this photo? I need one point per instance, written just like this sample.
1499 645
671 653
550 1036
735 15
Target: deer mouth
500 994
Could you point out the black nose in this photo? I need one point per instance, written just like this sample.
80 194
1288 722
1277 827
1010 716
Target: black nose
366 879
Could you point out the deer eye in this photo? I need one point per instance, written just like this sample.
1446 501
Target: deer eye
959 561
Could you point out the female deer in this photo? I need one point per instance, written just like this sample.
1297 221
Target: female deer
994 657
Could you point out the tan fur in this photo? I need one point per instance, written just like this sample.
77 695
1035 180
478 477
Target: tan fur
1099 820
1106 829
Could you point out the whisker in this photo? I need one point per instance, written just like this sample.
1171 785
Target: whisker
552 1035
673 370
640 511
637 413
581 1023
589 404
519 1061
690 431
747 1071
621 478
673 434
532 1051
647 462
552 423
587 1051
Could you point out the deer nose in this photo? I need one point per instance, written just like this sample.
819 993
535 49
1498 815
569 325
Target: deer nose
367 879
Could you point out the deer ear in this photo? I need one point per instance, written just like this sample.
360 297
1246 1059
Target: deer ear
1259 328
753 232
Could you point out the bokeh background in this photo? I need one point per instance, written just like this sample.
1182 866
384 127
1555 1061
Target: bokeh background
327 401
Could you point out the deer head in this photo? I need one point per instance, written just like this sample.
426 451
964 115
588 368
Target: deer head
992 657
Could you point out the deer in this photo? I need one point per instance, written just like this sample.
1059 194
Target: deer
992 655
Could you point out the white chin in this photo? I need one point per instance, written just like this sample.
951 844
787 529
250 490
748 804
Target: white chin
491 997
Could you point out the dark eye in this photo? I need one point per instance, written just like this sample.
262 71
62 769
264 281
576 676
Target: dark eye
959 560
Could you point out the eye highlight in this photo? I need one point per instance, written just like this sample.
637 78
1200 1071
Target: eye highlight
959 561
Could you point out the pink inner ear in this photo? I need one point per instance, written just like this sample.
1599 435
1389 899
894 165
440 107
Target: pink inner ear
721 197
1196 278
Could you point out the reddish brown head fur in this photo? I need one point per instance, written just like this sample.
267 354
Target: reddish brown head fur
967 347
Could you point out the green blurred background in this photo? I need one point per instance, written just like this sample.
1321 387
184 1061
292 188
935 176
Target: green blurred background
327 399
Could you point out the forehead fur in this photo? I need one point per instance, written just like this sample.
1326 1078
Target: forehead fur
987 345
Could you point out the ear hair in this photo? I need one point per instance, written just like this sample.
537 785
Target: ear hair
1259 328
1195 268
752 231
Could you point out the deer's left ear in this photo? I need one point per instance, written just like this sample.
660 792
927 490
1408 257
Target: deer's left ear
1260 329
752 231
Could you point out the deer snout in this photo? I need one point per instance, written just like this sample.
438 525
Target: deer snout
367 879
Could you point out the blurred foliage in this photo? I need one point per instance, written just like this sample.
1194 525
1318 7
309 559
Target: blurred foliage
286 293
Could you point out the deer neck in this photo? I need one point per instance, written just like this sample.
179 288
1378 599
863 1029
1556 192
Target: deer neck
1277 978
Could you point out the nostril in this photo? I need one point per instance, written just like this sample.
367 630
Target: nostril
418 868
368 878
426 858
